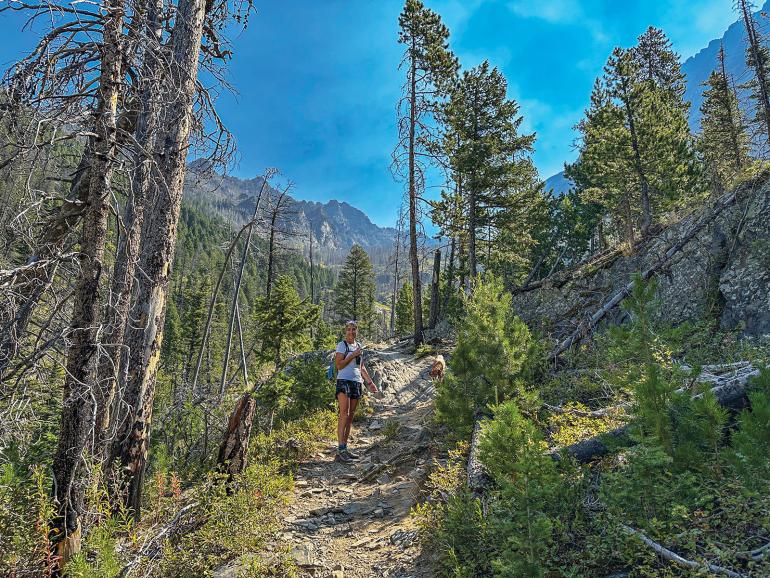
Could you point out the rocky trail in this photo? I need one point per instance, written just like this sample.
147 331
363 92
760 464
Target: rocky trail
352 520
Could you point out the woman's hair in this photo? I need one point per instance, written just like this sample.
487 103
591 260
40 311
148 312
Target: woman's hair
351 322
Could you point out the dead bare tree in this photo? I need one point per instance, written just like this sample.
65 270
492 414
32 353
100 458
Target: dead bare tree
280 208
236 290
116 316
396 276
143 339
82 361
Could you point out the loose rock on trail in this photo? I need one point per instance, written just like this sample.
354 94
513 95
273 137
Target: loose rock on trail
352 520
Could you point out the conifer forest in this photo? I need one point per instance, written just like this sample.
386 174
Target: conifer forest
570 376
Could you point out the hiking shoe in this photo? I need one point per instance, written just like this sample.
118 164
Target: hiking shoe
351 455
343 457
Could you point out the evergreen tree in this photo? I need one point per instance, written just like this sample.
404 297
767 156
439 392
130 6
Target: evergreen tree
193 316
405 310
284 320
636 153
431 68
513 450
498 175
758 60
354 292
723 140
487 364
656 63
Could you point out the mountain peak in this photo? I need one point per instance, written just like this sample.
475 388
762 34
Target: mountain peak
335 225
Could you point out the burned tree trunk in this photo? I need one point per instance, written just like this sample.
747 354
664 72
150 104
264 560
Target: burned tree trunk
128 248
144 338
450 275
233 451
82 360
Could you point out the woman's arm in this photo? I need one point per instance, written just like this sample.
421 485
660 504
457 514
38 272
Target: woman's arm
340 361
368 380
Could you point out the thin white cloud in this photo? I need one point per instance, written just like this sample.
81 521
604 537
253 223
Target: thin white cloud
553 11
564 12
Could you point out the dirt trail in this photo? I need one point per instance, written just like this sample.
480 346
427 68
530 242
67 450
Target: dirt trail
352 520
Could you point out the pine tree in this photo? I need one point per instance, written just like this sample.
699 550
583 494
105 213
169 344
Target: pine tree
498 175
354 293
487 364
636 152
758 59
656 63
284 320
431 68
513 450
405 310
723 140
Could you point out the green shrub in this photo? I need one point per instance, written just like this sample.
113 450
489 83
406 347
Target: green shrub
488 363
451 523
99 557
750 454
25 511
512 449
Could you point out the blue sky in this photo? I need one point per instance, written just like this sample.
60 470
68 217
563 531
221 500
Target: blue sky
317 80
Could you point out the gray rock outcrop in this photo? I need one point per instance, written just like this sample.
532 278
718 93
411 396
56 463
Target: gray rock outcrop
723 272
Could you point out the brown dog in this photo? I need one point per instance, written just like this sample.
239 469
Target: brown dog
437 369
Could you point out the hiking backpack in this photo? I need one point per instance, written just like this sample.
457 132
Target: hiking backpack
332 370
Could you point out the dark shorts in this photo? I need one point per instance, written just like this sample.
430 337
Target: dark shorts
350 388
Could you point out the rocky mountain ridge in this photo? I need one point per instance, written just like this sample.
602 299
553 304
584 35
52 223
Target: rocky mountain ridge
335 226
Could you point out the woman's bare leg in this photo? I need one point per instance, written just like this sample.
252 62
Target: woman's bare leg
352 403
342 419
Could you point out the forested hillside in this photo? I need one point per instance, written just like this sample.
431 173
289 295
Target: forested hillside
202 376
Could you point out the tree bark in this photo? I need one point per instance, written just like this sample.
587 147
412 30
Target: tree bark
157 252
82 360
450 275
233 451
128 248
435 307
413 257
472 226
644 184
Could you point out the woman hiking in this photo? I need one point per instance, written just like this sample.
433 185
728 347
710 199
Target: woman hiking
351 375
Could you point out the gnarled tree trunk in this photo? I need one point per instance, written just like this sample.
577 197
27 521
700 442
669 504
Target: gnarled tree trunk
79 404
144 338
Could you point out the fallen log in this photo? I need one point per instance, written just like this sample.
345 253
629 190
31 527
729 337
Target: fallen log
392 461
587 326
672 556
479 480
184 521
730 393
